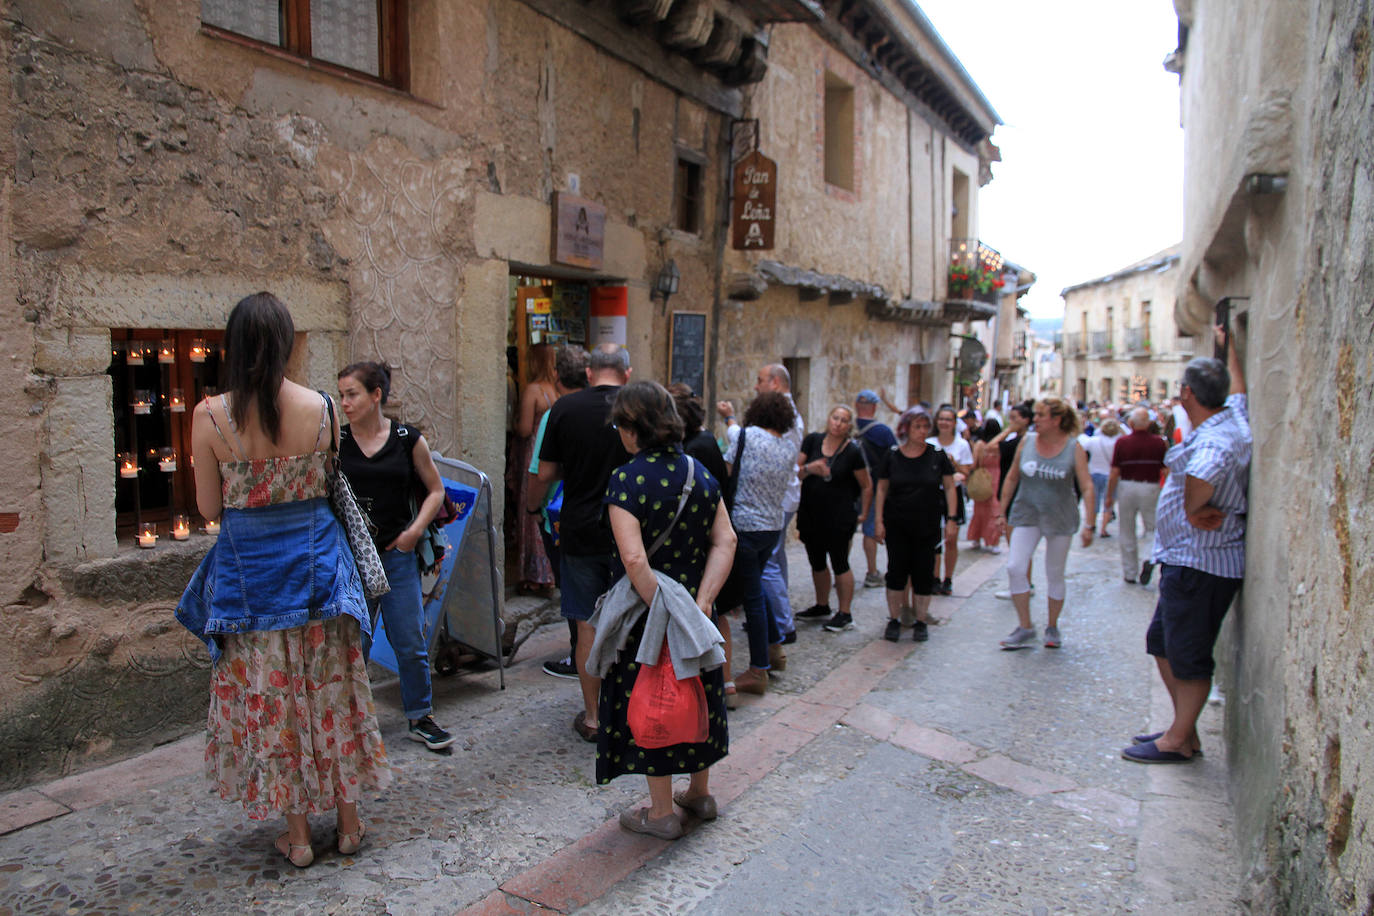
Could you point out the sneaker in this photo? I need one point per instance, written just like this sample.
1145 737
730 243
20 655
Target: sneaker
427 732
561 667
893 631
919 631
1019 638
1147 569
873 580
946 587
1052 640
995 551
789 638
815 612
1004 594
839 622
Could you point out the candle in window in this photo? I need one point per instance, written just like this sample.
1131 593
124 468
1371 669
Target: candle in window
116 350
147 534
167 460
135 354
177 402
167 353
128 465
212 527
181 526
143 400
198 350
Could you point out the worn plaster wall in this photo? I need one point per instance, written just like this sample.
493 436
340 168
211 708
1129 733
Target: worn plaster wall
1297 652
1169 350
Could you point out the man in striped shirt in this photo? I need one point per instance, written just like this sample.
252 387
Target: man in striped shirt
1200 548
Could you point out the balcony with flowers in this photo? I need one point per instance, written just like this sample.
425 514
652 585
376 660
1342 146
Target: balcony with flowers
975 279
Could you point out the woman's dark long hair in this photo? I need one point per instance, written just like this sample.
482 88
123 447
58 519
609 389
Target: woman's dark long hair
258 340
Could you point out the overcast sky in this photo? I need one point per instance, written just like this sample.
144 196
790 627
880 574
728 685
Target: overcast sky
1091 177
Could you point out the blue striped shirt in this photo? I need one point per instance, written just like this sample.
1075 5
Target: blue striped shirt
1217 451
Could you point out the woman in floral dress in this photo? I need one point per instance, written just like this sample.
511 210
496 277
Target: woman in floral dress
278 600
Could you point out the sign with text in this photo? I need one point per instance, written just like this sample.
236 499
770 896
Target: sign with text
610 307
687 351
755 208
579 231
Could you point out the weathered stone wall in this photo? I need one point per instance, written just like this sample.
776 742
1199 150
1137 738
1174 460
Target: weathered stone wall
1297 653
1124 295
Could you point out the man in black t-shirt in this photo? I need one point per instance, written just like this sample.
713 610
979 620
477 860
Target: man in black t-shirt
581 447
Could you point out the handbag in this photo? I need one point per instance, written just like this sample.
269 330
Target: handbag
979 484
357 528
663 710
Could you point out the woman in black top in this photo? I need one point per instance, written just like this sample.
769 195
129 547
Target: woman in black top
915 490
835 497
382 460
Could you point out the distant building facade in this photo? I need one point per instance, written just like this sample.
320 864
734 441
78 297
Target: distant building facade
1119 343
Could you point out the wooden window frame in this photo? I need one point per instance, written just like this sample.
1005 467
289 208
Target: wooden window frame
689 210
393 42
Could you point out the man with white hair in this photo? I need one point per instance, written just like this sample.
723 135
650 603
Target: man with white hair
1137 467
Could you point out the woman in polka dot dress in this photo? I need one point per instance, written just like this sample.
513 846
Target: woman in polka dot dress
642 498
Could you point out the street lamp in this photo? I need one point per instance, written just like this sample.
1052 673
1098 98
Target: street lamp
666 283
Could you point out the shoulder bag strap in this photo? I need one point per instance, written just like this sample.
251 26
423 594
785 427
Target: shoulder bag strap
681 504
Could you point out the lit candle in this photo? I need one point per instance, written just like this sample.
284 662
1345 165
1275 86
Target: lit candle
143 399
147 534
135 355
167 460
177 403
181 526
167 353
198 350
212 527
128 466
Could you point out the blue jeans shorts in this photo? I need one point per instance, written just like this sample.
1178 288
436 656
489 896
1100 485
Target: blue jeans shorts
584 579
1188 616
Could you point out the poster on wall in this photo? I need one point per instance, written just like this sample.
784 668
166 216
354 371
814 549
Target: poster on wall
610 306
579 231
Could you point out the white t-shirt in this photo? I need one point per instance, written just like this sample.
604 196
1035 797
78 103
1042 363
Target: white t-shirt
959 450
1099 449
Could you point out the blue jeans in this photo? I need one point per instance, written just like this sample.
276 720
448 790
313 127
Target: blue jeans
403 615
584 579
751 553
1099 493
775 582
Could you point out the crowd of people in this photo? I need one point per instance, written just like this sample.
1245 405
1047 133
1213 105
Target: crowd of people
656 534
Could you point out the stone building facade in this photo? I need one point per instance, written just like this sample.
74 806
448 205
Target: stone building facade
1120 344
395 178
1278 118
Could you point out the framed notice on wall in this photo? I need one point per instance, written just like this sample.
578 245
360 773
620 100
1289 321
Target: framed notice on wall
687 351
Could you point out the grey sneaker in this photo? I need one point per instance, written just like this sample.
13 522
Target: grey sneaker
1019 638
893 631
873 580
1052 640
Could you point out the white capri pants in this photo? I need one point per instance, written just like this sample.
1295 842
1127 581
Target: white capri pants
1023 541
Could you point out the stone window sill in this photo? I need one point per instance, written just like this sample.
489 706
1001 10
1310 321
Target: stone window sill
136 575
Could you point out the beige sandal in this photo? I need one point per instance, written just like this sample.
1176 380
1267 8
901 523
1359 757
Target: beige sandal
349 843
299 856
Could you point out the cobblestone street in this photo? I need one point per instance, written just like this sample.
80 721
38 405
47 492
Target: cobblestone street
944 777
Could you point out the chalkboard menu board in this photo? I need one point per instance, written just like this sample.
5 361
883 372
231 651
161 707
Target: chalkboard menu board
687 345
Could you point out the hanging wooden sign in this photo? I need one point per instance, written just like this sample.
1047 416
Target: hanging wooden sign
755 208
579 231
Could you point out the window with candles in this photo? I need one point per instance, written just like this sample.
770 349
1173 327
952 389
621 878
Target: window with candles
368 37
157 377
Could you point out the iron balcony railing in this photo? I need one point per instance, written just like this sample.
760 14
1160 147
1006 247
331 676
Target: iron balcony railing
1074 344
975 272
1138 341
1100 343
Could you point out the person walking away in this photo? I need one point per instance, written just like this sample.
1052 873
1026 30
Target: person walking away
775 377
382 460
1099 450
1137 465
533 566
277 600
876 438
836 497
983 529
1200 548
915 490
570 369
1045 505
642 499
767 462
1018 424
582 449
953 444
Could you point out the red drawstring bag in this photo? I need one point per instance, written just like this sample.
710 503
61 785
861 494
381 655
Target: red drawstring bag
664 710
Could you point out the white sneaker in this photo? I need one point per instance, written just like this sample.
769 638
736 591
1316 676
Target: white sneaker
1005 595
995 551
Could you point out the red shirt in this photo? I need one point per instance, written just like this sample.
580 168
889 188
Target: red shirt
1140 456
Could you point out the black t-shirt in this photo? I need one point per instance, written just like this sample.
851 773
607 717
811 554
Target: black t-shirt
385 482
703 448
579 438
828 506
915 489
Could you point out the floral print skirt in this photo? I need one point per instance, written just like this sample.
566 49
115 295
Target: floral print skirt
291 726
